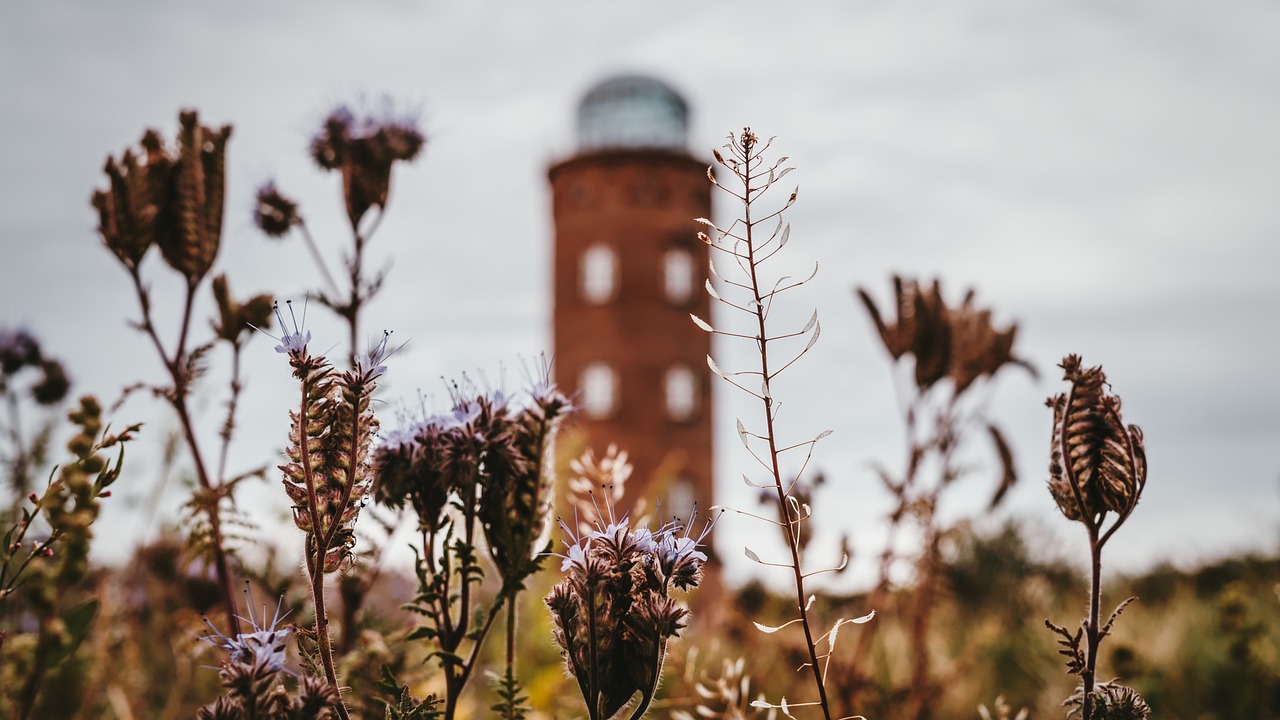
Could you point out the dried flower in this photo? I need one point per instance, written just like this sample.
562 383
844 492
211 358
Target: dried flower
1110 701
174 201
53 385
608 474
364 149
273 212
958 343
234 319
727 696
1097 464
18 349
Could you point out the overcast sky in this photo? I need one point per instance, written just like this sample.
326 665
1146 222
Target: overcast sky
1105 173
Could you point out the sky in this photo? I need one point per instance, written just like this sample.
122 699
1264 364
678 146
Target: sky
1103 173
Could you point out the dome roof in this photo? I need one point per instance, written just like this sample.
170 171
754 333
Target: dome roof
632 111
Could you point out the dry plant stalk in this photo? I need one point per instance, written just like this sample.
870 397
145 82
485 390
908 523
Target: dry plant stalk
1097 470
750 243
362 149
954 351
174 201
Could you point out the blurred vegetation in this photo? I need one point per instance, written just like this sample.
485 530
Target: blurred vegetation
1200 643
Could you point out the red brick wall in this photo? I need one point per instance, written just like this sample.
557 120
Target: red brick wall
640 203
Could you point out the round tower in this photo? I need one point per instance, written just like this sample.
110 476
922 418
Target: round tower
628 270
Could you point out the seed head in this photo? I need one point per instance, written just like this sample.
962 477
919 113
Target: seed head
1097 464
273 212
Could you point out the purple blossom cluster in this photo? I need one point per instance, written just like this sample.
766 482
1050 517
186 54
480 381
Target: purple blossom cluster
490 453
614 612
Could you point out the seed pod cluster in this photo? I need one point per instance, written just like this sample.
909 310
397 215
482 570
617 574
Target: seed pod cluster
173 200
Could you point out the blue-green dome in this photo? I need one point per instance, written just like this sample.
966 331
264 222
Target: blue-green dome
632 111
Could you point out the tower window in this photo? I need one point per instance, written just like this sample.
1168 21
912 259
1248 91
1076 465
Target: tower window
599 274
680 388
599 385
677 275
680 498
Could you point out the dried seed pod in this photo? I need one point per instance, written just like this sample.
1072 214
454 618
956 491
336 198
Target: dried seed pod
959 343
273 212
1097 464
364 149
173 202
235 319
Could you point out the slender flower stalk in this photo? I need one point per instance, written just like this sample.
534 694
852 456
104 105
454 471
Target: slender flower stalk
363 149
952 350
173 200
749 243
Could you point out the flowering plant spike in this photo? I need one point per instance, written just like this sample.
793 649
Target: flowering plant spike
614 612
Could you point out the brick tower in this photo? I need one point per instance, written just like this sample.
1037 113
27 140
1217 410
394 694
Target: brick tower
628 271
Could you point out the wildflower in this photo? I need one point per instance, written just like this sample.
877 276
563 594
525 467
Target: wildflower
265 648
614 613
371 365
330 472
293 344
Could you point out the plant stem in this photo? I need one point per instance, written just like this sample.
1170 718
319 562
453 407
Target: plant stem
1092 630
322 628
178 400
792 541
511 634
315 561
317 257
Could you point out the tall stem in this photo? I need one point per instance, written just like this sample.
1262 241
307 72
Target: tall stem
322 627
792 541
511 634
178 400
1092 631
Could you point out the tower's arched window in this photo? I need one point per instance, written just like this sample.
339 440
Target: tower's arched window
678 275
680 390
599 274
680 499
599 385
